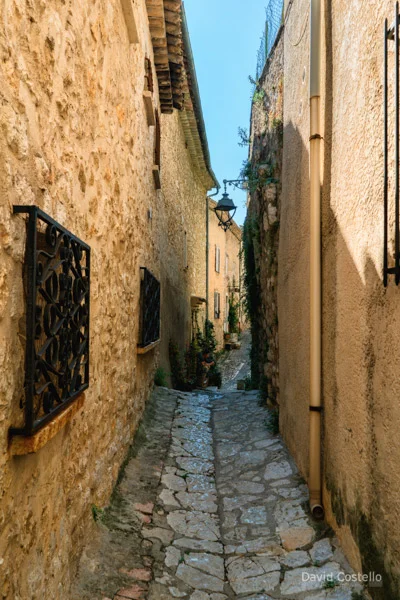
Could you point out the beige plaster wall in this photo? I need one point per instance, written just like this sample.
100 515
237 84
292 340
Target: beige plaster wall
293 272
229 243
361 358
75 141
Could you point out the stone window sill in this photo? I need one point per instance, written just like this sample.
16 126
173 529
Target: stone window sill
148 104
127 8
146 349
21 445
156 175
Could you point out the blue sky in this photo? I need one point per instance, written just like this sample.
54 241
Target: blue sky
225 36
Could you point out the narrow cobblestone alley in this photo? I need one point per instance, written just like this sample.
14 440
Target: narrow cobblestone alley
211 507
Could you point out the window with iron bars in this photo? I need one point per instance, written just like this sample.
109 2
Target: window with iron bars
57 284
150 308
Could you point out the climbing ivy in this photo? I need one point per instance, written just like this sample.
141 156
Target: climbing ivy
257 175
244 138
233 315
251 235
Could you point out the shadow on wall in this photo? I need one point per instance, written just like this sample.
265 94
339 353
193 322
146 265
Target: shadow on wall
361 367
175 315
360 384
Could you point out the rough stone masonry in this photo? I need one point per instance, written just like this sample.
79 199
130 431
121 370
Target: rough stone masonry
211 507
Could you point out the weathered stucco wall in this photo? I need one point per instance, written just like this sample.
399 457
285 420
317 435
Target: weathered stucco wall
361 358
74 140
293 258
229 244
263 218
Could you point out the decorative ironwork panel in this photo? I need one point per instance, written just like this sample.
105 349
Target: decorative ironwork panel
57 319
150 308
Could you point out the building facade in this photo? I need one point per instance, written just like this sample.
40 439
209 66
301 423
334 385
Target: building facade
261 229
101 129
360 362
224 268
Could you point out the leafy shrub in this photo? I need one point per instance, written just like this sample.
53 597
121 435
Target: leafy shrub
178 371
209 340
233 316
273 421
249 384
215 376
184 365
160 377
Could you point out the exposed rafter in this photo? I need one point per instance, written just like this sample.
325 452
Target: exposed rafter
177 82
192 113
166 33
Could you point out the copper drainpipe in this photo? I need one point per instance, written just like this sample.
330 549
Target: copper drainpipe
315 476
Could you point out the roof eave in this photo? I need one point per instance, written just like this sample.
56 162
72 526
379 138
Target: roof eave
196 100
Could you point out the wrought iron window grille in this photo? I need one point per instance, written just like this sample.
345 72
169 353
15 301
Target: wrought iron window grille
150 308
57 284
391 261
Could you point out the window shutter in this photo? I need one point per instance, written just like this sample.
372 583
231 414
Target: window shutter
185 252
149 85
157 142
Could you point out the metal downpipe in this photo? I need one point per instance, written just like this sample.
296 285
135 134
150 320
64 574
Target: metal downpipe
315 476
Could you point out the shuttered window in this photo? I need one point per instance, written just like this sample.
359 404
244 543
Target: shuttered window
157 142
148 77
217 305
217 259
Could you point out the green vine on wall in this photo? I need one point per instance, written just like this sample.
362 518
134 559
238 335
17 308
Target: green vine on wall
251 237
244 138
257 175
233 315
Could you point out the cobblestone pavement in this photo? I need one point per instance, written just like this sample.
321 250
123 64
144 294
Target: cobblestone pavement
236 364
222 514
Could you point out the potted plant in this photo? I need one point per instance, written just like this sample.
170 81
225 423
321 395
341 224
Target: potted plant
231 338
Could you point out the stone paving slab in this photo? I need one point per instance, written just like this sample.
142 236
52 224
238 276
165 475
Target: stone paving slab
222 514
237 509
119 558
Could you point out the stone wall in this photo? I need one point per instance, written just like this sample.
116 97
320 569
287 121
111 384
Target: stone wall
263 218
361 350
229 244
75 141
183 240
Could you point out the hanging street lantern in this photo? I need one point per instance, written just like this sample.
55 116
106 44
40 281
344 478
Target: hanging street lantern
225 210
